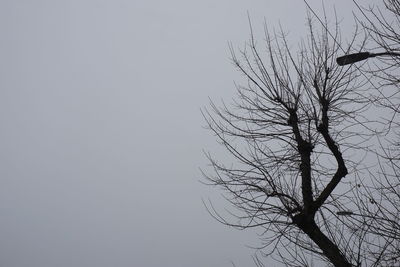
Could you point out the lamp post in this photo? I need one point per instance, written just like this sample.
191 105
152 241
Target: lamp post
353 58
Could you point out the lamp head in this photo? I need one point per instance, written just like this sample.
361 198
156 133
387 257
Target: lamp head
352 58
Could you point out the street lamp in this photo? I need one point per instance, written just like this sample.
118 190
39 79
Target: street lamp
345 213
350 213
352 58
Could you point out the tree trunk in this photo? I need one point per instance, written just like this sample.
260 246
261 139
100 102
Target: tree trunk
330 250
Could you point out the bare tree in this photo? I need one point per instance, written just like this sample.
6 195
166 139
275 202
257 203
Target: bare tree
295 133
382 25
377 198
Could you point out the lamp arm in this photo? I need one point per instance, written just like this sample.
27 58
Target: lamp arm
385 54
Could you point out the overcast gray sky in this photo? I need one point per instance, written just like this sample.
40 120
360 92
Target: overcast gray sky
101 132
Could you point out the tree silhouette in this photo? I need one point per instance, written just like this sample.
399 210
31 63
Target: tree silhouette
377 199
293 132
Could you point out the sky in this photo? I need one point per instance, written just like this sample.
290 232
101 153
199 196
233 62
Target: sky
102 136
